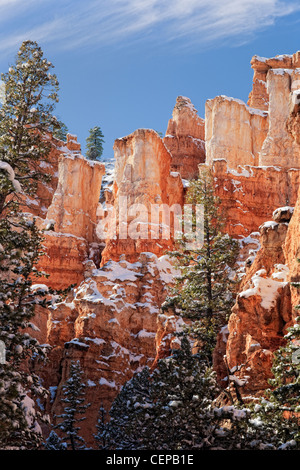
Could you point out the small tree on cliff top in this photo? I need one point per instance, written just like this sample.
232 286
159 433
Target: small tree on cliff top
203 291
94 143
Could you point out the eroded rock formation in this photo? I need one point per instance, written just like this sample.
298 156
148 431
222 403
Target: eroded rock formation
112 321
185 138
143 182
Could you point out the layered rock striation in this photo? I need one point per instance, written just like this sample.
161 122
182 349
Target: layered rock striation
146 195
111 239
185 138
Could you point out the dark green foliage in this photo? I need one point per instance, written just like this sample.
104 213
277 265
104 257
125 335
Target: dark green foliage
26 115
20 248
173 408
204 288
54 442
94 144
168 408
74 398
60 131
23 116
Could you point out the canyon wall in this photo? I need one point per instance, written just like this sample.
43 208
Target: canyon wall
111 321
185 139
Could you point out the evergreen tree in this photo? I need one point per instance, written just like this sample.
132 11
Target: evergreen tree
60 131
169 408
53 442
101 429
74 398
94 143
280 409
203 291
25 117
20 249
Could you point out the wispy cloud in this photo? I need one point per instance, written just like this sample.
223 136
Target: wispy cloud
71 24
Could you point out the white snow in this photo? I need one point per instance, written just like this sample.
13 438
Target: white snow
282 71
264 287
11 176
269 224
90 383
40 287
146 334
283 209
281 273
111 384
241 171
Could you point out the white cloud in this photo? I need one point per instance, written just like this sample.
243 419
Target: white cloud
70 24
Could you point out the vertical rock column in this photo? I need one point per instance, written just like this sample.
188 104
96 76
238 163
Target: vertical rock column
143 181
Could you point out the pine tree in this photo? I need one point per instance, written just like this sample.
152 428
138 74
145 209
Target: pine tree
204 288
60 131
20 249
53 442
168 409
101 429
74 398
94 143
25 117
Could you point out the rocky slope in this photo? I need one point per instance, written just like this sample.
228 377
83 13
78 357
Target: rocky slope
111 321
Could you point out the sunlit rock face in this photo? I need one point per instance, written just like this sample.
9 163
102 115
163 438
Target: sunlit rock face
143 182
112 320
234 131
185 138
250 194
292 254
259 96
109 323
256 171
253 149
263 310
70 221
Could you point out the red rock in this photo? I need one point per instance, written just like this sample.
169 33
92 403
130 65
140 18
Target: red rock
142 176
185 139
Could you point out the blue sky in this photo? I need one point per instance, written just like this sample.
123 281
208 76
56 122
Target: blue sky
122 63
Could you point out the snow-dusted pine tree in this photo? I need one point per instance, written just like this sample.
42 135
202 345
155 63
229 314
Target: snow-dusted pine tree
26 115
53 442
74 408
203 291
169 408
23 115
20 248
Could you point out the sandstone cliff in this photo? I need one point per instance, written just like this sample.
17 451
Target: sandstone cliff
111 320
185 138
